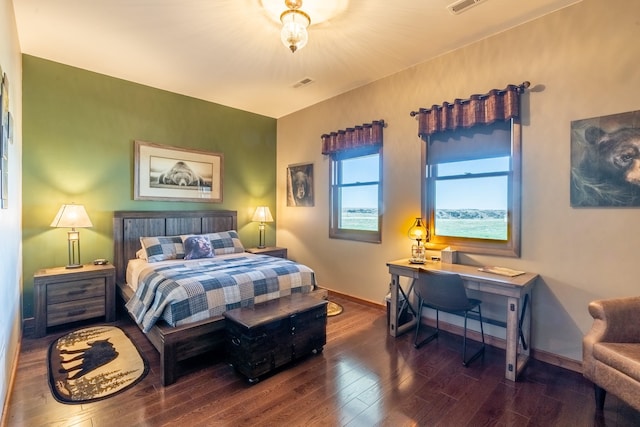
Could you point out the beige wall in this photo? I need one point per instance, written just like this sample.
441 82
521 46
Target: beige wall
10 222
582 62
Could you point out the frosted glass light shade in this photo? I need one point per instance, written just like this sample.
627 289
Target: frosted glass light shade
418 231
294 29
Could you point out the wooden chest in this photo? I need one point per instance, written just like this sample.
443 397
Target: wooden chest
271 334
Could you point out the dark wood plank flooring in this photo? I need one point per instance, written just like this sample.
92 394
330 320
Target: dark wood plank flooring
363 378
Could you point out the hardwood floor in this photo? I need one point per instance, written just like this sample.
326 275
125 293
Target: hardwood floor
362 378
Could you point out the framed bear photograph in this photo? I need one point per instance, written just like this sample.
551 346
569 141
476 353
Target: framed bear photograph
163 172
605 161
300 185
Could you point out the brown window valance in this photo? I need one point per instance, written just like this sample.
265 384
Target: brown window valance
366 135
477 110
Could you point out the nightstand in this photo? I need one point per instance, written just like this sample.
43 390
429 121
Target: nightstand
64 295
269 250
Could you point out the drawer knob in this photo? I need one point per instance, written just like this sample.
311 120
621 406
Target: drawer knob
77 292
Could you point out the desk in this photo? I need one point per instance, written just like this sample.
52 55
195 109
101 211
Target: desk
517 291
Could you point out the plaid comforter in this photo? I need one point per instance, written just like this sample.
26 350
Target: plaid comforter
188 291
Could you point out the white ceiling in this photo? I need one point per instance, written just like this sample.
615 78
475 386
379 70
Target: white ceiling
229 51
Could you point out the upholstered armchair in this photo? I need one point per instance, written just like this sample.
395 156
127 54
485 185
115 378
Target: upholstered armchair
611 350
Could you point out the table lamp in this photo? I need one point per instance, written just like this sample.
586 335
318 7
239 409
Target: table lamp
262 215
72 216
418 232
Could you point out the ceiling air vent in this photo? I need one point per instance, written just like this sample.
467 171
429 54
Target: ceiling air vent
462 5
303 82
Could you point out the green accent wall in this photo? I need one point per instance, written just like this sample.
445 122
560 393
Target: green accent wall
79 129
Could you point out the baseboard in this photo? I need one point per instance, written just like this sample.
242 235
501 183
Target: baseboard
12 380
541 355
557 360
357 300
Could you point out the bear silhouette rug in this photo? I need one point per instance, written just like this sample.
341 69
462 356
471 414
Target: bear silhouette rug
94 363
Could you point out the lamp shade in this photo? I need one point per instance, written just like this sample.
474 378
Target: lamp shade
262 214
418 231
72 216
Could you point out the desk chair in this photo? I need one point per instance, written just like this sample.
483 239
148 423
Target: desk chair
446 292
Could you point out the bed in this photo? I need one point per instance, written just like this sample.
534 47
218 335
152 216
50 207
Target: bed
176 340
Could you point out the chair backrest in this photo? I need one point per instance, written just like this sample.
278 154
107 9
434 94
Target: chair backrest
443 291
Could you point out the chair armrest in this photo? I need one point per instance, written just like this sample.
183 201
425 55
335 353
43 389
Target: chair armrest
615 320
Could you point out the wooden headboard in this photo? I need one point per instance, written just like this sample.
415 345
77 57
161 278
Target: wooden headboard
129 226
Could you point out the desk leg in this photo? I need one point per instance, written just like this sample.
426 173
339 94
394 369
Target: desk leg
524 333
393 306
513 308
517 324
394 328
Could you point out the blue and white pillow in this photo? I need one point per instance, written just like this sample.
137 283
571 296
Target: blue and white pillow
162 248
226 242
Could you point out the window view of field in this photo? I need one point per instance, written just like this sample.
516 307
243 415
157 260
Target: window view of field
472 223
359 193
360 219
471 199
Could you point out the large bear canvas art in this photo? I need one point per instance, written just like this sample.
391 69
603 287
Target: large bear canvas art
605 161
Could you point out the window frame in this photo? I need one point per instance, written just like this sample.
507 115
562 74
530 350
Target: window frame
335 208
509 247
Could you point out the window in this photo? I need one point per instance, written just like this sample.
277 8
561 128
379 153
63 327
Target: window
356 194
471 189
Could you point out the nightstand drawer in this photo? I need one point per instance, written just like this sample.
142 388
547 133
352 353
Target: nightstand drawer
75 290
71 311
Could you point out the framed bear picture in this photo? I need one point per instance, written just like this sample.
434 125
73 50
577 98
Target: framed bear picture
163 172
300 185
605 161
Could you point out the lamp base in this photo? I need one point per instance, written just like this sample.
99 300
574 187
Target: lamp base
74 249
417 254
70 266
261 240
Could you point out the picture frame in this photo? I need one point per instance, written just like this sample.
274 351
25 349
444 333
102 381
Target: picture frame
300 185
164 172
604 161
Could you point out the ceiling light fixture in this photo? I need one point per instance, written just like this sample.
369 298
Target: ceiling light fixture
294 26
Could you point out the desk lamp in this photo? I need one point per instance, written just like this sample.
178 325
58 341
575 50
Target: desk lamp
262 214
72 216
418 232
